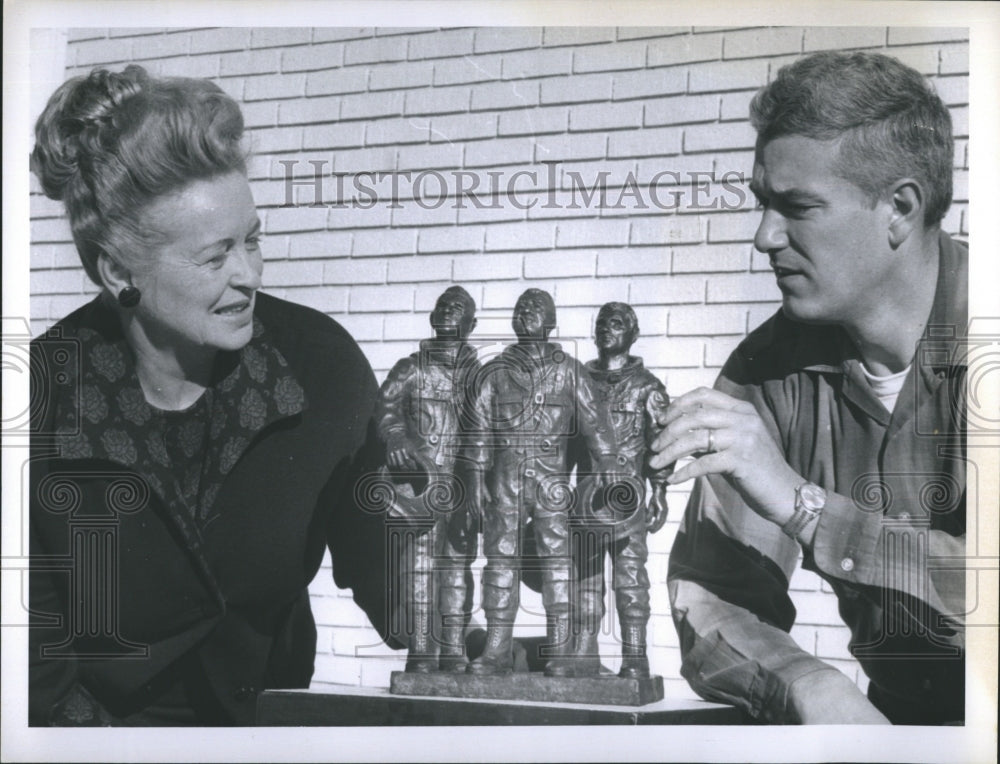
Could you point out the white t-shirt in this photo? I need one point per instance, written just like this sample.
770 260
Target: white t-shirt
886 388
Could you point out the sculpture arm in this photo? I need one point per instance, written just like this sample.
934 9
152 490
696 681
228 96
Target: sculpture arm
392 412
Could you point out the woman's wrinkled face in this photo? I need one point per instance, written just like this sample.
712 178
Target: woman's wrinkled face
198 286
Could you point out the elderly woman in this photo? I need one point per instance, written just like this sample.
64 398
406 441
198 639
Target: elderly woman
195 442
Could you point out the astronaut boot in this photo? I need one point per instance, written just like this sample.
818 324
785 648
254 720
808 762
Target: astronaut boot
559 647
453 658
421 658
498 656
635 664
586 655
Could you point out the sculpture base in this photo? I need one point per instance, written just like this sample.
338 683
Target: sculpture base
338 706
609 690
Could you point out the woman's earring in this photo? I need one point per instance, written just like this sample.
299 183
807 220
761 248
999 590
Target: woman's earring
129 297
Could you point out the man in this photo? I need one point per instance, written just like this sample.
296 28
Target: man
632 396
422 417
530 400
827 428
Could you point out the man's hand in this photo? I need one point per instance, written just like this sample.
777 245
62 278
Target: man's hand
656 512
609 470
400 453
727 437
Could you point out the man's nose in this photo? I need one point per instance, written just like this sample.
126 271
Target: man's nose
771 233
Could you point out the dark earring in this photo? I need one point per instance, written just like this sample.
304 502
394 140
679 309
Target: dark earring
129 297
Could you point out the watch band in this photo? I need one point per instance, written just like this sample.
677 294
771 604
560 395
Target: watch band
809 502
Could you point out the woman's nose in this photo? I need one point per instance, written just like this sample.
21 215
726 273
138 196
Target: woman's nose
249 266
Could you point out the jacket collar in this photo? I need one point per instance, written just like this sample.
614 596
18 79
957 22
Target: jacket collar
613 376
446 352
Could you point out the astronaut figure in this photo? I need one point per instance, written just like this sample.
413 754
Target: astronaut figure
632 396
422 418
529 401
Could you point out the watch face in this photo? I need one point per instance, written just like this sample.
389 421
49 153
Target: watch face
812 497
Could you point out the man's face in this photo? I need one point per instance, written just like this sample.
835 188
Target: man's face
827 244
613 333
452 317
529 320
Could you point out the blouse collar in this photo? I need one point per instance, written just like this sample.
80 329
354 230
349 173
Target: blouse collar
106 416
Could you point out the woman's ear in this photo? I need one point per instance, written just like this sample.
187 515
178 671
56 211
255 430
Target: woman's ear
907 213
114 275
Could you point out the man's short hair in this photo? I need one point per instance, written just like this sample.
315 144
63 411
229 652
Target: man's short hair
892 122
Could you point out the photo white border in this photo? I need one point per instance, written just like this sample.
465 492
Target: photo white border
973 743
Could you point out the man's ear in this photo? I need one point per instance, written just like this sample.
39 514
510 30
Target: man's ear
114 275
907 215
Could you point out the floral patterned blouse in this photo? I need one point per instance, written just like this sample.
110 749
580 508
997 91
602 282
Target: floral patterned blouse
184 456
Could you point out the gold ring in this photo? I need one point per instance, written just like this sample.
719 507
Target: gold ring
711 442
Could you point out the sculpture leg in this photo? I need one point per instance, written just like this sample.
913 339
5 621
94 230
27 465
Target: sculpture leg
552 540
458 551
502 522
589 546
421 655
632 601
500 601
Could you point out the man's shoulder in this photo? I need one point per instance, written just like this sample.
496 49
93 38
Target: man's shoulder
405 367
781 346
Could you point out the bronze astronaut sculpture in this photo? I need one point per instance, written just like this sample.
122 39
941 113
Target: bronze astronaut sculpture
632 396
529 401
422 419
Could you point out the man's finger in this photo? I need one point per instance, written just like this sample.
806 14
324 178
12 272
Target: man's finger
688 444
709 464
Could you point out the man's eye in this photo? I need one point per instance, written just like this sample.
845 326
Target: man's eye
798 210
254 242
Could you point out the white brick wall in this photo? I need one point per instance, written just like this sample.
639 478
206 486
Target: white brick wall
624 101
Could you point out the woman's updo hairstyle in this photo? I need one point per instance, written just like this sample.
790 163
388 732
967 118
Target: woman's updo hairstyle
108 144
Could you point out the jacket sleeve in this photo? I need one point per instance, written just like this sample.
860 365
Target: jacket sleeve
479 448
873 553
357 532
390 410
56 696
728 586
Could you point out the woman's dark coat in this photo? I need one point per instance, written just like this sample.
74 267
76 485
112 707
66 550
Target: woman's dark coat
138 589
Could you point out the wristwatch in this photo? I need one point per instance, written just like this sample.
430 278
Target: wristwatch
809 502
